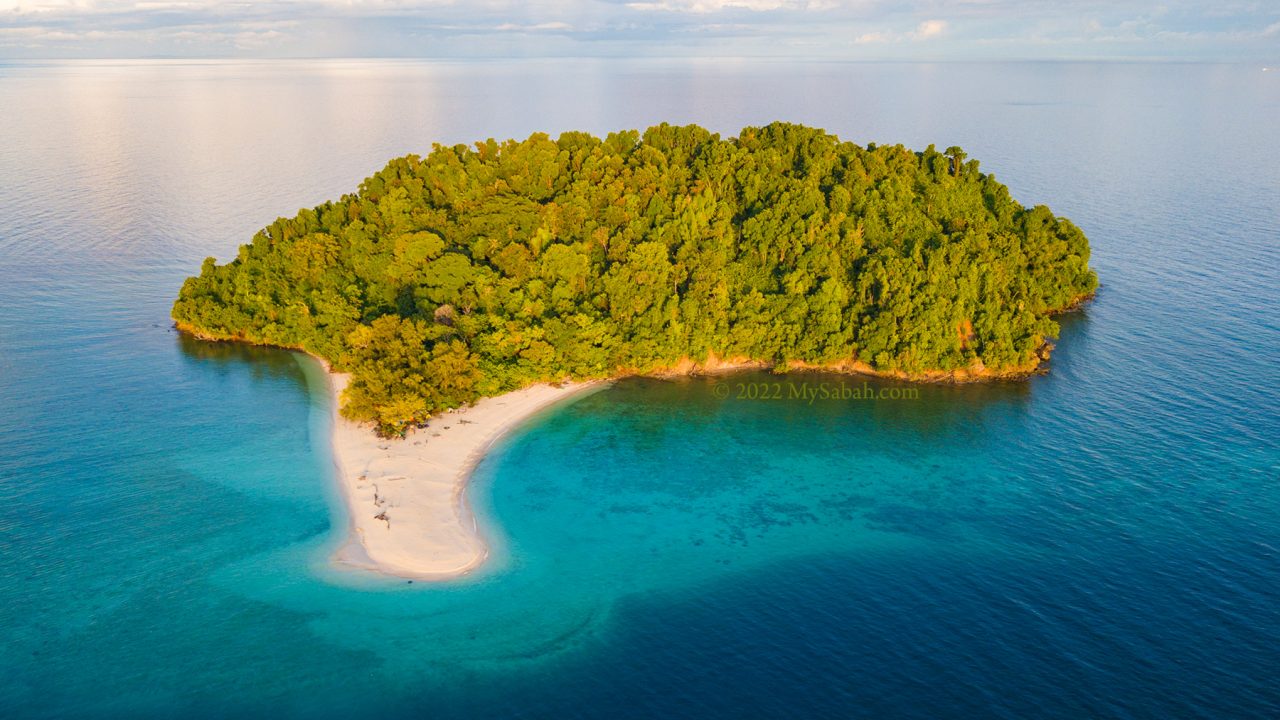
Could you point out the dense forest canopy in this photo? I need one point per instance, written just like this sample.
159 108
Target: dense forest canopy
477 270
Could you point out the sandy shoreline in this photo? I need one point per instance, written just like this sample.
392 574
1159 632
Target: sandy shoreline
405 497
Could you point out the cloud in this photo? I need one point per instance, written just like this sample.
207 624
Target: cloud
538 27
926 30
843 29
929 29
711 6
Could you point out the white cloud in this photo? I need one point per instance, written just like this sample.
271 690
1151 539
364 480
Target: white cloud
711 6
879 29
926 30
537 27
251 39
929 29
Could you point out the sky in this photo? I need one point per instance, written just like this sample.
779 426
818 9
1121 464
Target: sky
824 29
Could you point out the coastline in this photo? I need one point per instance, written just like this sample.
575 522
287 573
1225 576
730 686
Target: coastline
406 503
406 497
1036 364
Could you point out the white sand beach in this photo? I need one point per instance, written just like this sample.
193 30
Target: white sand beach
405 497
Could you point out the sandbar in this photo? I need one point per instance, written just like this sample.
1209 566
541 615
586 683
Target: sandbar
406 497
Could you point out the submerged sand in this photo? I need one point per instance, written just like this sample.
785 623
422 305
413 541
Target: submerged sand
405 497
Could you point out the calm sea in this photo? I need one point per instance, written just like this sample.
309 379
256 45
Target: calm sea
1101 542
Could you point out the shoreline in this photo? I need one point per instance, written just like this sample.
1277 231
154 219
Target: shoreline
1037 364
407 510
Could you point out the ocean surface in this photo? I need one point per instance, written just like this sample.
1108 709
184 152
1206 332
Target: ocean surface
1099 542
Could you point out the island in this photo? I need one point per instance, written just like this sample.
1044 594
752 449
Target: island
455 294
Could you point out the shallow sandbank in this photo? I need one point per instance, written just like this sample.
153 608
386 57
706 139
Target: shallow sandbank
405 497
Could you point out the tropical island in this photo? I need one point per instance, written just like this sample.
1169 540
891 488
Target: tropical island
454 280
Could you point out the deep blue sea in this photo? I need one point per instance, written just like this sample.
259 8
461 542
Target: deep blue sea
1099 542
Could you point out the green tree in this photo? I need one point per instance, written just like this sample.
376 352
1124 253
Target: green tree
475 270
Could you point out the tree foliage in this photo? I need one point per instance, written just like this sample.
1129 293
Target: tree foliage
477 270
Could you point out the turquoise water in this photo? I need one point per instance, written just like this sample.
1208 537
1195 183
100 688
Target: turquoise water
1103 541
